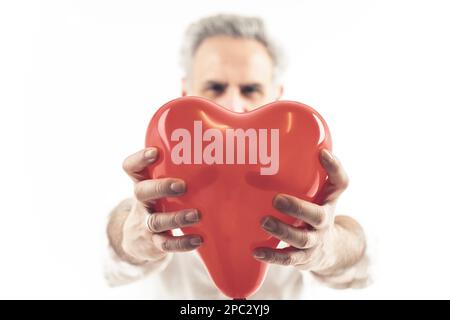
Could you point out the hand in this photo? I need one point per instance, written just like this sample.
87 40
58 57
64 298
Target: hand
145 235
312 248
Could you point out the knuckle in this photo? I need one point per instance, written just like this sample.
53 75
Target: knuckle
175 244
320 217
304 239
345 182
160 187
166 245
286 259
171 221
178 219
180 244
126 165
281 258
285 232
269 256
139 190
154 223
295 206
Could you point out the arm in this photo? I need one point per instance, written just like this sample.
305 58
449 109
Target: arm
350 265
120 267
114 231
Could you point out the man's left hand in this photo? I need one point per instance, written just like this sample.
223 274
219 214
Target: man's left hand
314 247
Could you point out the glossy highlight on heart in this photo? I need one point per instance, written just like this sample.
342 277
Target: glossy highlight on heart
233 165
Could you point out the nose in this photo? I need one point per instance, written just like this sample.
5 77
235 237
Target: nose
232 100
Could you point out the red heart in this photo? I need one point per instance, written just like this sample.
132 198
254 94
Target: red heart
232 197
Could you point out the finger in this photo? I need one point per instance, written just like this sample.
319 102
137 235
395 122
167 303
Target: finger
160 222
317 216
286 256
135 164
168 243
148 190
337 180
301 239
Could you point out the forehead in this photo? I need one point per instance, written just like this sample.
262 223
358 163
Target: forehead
232 59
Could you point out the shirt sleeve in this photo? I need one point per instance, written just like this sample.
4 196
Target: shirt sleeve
118 272
359 275
356 276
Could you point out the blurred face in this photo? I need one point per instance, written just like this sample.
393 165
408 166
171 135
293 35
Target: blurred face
235 73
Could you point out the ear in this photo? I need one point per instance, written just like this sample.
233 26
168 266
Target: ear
279 91
183 87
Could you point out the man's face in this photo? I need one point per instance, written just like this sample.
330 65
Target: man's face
235 73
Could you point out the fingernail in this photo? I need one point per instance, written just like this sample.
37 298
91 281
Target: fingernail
259 254
327 156
192 216
269 224
150 154
195 241
281 202
177 187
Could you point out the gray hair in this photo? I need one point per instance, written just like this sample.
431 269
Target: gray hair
231 25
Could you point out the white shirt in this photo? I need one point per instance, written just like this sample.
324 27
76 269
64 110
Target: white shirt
184 276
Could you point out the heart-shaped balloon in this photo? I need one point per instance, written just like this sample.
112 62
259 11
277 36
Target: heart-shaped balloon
233 165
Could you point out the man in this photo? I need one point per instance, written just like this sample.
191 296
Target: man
230 59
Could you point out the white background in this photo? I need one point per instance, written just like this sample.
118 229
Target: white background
80 80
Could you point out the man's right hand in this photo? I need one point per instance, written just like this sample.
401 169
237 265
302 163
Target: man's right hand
145 235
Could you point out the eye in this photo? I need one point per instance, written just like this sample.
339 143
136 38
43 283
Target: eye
217 88
250 90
